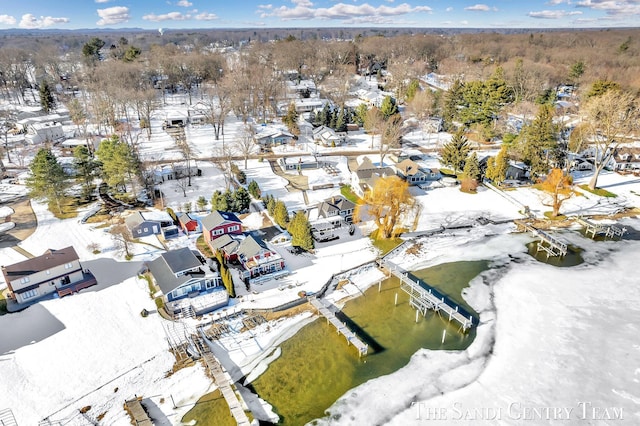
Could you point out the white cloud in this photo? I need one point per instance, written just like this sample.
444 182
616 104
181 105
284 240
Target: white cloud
102 1
113 15
611 7
552 14
171 16
480 8
204 16
464 22
7 20
557 2
449 9
31 22
364 12
184 3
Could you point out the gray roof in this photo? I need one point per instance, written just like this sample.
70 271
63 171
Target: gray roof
338 202
185 218
226 243
181 259
134 220
251 246
217 218
165 267
50 259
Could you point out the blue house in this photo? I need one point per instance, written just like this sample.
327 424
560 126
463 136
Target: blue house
187 283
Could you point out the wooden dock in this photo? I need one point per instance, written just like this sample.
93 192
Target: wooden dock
424 297
137 413
323 309
609 231
549 244
224 382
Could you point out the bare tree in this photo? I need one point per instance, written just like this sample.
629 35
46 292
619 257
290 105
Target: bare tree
391 136
245 143
218 101
373 122
122 239
608 121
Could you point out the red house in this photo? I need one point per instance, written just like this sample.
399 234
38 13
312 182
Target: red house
219 223
189 223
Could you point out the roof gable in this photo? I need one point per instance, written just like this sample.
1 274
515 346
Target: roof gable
50 259
218 218
180 260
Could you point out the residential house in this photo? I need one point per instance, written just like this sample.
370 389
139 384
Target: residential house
326 136
300 163
41 132
415 174
56 271
517 171
218 223
337 209
257 259
189 223
185 281
271 136
143 224
364 176
626 158
198 113
227 245
174 120
309 104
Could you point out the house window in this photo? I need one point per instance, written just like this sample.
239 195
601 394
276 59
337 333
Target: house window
234 228
68 265
218 232
24 280
146 229
139 231
30 294
48 272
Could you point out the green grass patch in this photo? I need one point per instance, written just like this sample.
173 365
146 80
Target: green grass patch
159 302
549 215
448 172
68 208
203 247
3 303
385 245
598 191
347 193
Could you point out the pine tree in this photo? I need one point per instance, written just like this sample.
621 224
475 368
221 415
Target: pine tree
300 231
270 203
452 100
388 107
497 167
291 120
341 123
47 101
361 114
215 199
120 165
48 180
201 202
472 167
537 142
454 153
280 214
242 200
254 189
86 170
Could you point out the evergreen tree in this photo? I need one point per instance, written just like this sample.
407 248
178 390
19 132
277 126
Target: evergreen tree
452 100
215 199
497 167
201 202
291 120
186 207
47 101
86 170
412 89
361 114
131 54
300 231
537 142
334 118
326 115
341 123
472 167
280 214
120 165
254 189
270 203
242 200
91 49
48 180
454 152
388 107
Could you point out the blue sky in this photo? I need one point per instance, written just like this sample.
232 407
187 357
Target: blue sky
151 14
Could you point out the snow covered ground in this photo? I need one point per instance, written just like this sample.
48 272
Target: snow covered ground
550 337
